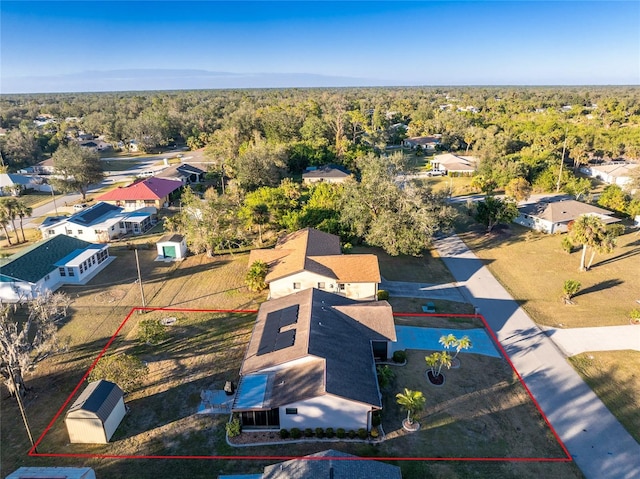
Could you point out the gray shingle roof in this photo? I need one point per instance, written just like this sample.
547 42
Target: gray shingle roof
331 464
98 399
37 261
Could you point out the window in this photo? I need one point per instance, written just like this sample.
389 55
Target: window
93 259
79 232
321 285
296 285
71 272
51 232
69 232
341 287
291 410
81 268
62 271
46 278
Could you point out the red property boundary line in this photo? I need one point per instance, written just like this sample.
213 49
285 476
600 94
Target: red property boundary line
33 451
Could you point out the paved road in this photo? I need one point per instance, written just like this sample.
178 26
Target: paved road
600 446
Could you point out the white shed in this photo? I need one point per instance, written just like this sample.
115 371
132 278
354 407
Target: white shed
171 247
96 414
53 472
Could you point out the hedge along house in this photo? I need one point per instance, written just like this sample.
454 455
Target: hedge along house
96 414
309 258
171 247
50 264
311 362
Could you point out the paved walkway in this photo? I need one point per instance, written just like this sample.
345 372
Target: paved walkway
600 446
574 341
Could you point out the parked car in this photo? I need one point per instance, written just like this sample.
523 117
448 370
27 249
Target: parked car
436 173
80 206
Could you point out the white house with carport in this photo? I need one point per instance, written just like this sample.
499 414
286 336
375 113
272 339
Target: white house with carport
50 264
171 247
455 164
429 143
310 258
187 174
100 223
311 362
554 217
96 414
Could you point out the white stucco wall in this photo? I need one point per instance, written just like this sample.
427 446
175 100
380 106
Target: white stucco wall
88 232
284 286
326 411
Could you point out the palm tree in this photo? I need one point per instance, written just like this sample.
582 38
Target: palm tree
260 216
606 245
463 343
256 275
4 221
22 210
588 231
448 341
412 402
9 205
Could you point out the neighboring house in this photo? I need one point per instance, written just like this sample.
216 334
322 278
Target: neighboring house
96 414
13 184
322 466
171 247
458 165
310 258
429 143
100 223
95 145
326 174
45 167
311 362
50 264
612 173
42 472
156 192
555 217
187 174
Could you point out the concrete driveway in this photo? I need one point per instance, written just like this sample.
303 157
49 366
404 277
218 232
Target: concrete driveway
598 443
403 289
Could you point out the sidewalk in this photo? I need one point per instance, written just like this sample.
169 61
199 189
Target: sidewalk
574 341
600 446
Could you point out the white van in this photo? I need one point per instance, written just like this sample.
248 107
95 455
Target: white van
145 174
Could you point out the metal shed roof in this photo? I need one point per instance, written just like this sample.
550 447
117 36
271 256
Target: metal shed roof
96 401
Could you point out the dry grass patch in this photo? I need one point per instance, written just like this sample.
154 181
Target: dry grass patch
414 305
427 268
533 268
614 377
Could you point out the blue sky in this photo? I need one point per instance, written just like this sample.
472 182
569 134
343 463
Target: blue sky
124 45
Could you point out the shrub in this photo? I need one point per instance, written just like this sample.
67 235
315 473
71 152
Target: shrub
346 248
351 434
319 432
374 432
255 278
151 331
567 245
399 356
383 295
363 433
124 370
234 428
341 433
329 432
570 289
296 433
308 432
634 315
284 434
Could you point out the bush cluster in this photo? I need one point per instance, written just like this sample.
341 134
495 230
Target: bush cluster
399 356
383 295
234 428
340 433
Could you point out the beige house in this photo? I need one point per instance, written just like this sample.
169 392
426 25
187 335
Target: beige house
326 174
459 165
555 217
295 373
312 259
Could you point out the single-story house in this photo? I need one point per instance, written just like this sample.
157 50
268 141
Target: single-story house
43 472
156 192
326 174
329 464
187 174
13 184
311 362
44 167
96 414
95 144
100 223
50 264
429 143
458 165
310 258
171 246
616 173
554 217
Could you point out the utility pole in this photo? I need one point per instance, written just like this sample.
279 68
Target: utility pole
53 195
144 304
21 407
564 149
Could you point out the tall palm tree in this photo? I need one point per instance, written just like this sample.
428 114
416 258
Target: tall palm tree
8 207
4 221
588 231
463 343
23 210
606 245
411 401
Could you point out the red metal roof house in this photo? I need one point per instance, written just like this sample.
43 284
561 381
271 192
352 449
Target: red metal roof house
150 192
